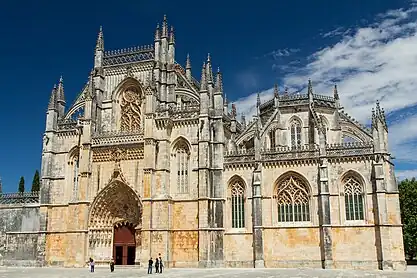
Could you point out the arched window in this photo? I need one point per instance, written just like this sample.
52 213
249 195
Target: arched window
272 139
295 129
353 190
293 200
237 190
130 104
75 169
182 161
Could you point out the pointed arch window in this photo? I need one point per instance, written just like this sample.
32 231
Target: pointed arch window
293 200
272 139
354 198
295 129
75 170
182 157
237 192
130 104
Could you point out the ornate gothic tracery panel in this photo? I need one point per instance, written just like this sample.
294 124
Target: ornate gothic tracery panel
293 200
354 199
237 194
116 202
131 111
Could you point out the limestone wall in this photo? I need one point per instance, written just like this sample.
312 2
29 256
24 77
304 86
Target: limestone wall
19 227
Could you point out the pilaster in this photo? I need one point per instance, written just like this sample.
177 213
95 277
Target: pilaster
258 248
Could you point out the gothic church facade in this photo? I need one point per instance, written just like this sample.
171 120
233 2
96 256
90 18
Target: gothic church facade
149 160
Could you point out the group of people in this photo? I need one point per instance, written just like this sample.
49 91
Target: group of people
158 265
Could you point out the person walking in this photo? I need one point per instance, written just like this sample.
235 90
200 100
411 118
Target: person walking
161 265
156 265
150 264
111 265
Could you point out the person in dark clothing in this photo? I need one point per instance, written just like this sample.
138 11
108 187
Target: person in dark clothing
91 265
156 265
161 265
150 264
111 265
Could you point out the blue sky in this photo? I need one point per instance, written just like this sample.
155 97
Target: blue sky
368 47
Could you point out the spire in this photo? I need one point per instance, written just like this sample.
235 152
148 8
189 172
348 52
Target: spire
276 91
172 36
310 87
335 93
383 119
100 40
203 82
60 91
258 100
52 99
234 111
157 33
1 187
378 109
373 123
225 100
219 81
209 70
164 32
188 62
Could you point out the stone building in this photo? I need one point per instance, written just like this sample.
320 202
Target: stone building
149 160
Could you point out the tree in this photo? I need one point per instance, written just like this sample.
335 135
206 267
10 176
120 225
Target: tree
22 185
36 182
408 195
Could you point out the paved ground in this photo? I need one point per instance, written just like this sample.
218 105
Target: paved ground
199 273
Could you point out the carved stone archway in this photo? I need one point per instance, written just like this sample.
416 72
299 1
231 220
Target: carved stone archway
116 203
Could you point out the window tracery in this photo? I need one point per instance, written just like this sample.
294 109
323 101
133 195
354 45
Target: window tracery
293 200
182 155
75 169
130 104
354 199
295 129
237 190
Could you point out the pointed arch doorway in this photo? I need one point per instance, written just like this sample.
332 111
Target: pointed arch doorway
115 223
124 244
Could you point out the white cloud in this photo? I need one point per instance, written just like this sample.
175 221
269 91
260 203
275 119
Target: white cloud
406 174
374 62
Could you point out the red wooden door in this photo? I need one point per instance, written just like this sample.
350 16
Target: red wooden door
123 244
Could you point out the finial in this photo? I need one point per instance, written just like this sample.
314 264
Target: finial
172 36
1 186
60 91
164 27
203 82
52 99
243 120
100 40
209 70
188 62
258 100
157 33
276 90
233 111
335 93
383 119
219 81
310 87
378 109
225 100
